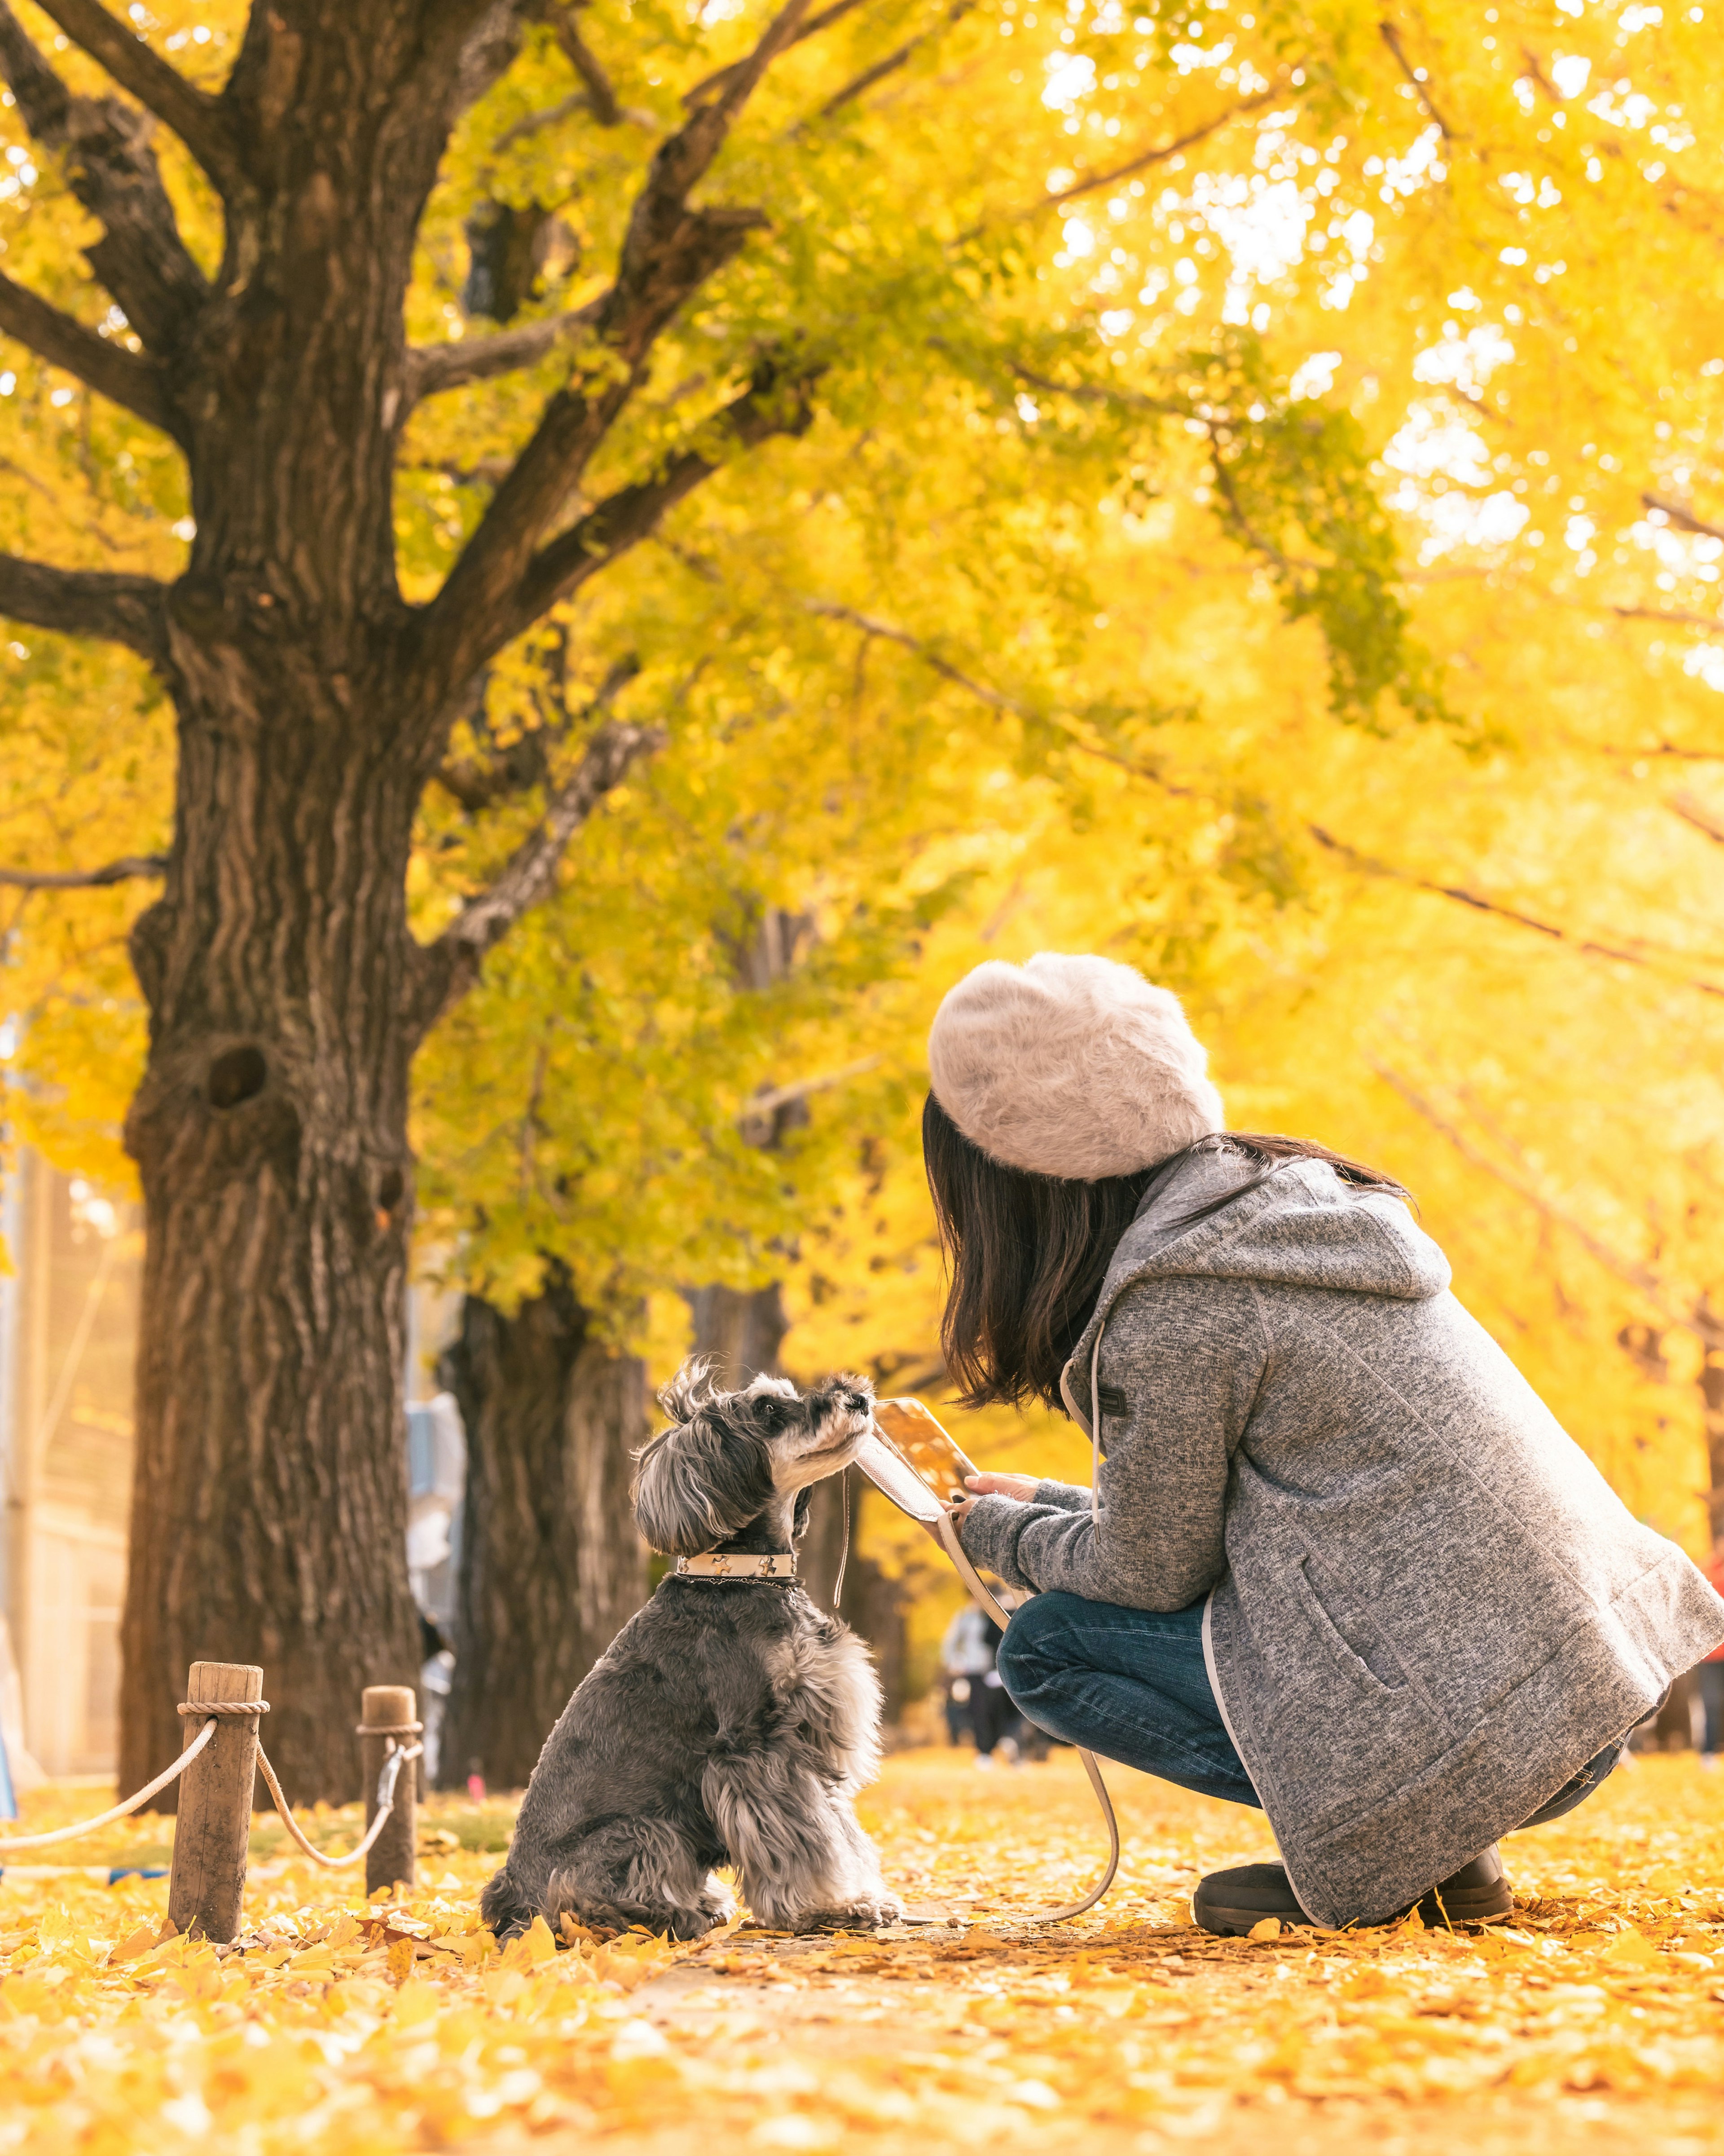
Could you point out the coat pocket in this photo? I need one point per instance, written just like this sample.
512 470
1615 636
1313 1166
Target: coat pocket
1391 1686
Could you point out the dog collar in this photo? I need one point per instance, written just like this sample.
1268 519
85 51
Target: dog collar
715 1564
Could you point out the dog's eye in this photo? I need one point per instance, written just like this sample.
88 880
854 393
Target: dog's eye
772 1413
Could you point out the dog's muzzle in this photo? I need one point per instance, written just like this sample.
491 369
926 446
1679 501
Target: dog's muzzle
712 1565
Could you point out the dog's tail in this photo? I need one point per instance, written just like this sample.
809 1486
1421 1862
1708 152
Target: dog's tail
505 1907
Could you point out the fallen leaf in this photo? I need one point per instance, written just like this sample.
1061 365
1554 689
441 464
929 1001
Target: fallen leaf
1630 1946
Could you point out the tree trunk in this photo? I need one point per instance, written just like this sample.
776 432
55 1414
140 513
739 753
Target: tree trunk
740 1330
269 1504
269 1512
871 1603
286 992
743 1333
551 1565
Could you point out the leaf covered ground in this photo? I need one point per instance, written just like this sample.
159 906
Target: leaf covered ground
339 2026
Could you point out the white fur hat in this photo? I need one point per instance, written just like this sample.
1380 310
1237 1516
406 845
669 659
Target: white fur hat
1073 1067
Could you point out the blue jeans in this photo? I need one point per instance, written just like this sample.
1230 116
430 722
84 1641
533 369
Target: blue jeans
1132 1684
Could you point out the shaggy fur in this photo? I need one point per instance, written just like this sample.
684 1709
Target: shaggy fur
729 1722
1073 1067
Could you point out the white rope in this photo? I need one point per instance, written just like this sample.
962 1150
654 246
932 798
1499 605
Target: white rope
131 1804
386 1805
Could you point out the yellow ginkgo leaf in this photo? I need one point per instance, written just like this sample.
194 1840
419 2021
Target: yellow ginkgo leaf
1633 1947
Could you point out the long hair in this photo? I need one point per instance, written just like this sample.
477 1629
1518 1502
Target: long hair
1027 1254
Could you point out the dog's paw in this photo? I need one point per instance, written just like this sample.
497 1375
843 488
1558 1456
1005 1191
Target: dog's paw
853 1916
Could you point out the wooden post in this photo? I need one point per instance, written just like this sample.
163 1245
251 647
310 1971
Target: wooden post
207 1882
390 1861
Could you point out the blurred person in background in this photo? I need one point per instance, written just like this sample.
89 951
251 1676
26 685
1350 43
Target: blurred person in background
968 1659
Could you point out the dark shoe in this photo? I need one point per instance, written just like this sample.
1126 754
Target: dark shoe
1230 1903
1477 1894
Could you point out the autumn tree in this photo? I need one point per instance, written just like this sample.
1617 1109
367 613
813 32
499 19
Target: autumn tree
781 238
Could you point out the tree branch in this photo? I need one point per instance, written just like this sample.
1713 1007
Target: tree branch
129 610
141 258
887 633
668 252
1673 749
1674 615
525 761
1163 151
488 52
434 368
995 699
1140 162
601 97
862 83
119 871
1479 904
815 24
449 966
108 368
201 121
1683 519
1421 88
772 1097
624 519
1699 816
1628 1271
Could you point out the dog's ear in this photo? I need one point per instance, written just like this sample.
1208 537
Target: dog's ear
698 1483
689 1391
800 1518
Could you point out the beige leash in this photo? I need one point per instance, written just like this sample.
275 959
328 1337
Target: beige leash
889 1467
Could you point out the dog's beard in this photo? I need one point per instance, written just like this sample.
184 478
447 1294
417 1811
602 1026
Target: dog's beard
832 1446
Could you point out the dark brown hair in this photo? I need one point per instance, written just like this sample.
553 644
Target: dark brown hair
1027 1253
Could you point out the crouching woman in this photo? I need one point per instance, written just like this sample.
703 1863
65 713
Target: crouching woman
1337 1559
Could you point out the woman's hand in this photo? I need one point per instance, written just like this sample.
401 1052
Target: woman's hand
1019 1488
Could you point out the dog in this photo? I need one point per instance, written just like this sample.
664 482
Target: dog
732 1720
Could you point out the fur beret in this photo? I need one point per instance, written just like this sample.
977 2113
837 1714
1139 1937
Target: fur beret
1073 1067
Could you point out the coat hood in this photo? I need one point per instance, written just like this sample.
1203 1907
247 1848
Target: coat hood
1302 1227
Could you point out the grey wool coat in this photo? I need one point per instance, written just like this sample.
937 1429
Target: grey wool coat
1426 1609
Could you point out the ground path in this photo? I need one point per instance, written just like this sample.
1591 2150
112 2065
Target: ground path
1595 2021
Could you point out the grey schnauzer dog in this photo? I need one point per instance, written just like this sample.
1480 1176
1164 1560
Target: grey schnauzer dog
731 1720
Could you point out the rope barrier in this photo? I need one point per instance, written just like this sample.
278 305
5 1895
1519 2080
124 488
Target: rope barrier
214 1710
386 1803
131 1804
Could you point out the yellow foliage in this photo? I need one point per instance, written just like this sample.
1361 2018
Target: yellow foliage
338 2025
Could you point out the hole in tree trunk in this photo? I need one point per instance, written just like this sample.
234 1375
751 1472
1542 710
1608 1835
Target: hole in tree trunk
236 1076
389 1189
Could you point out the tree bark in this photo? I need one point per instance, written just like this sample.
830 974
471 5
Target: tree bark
551 1565
740 1330
269 1506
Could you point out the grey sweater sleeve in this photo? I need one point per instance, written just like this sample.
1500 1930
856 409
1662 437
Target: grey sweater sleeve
1188 1356
1062 1497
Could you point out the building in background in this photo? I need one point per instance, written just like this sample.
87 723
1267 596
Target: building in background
68 1332
68 1317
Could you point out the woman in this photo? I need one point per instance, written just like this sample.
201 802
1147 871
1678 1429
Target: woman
1338 1559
